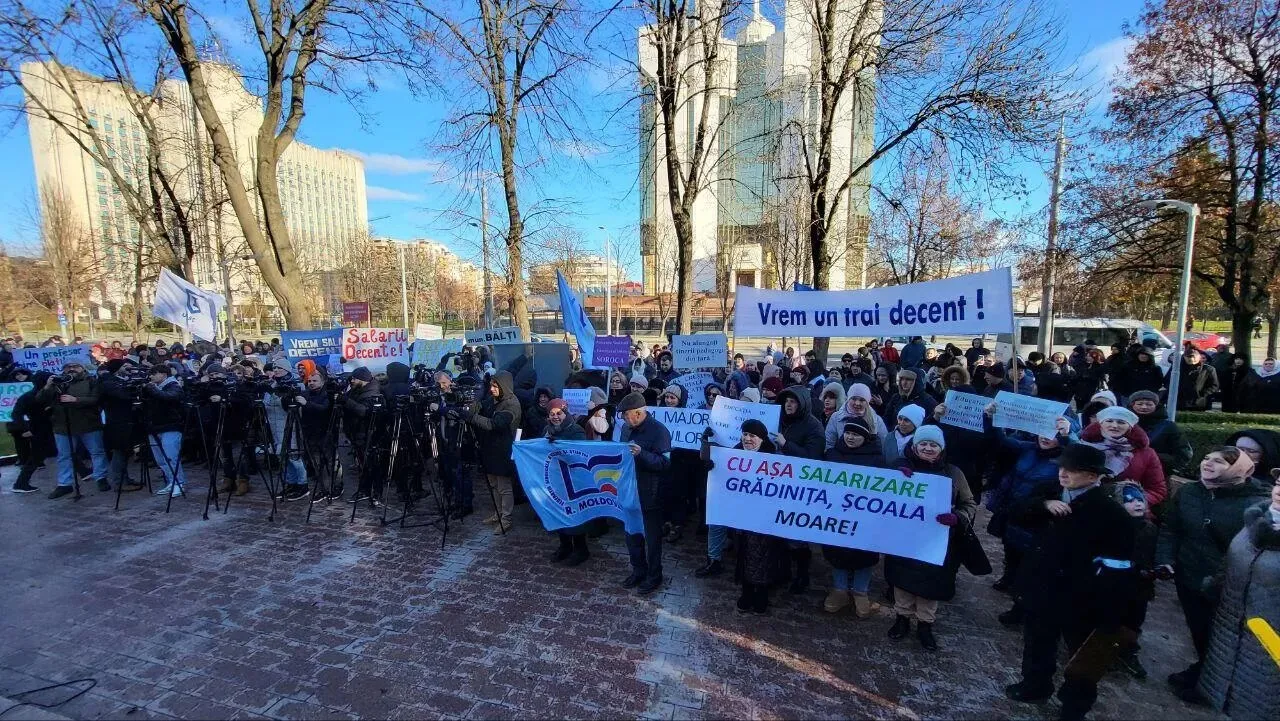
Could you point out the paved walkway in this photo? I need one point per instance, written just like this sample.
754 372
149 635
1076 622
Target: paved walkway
173 616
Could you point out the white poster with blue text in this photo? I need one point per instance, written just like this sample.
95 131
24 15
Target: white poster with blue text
571 482
684 424
835 504
1022 412
976 303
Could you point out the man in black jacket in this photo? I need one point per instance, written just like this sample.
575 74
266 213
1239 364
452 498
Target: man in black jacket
448 432
162 405
119 431
496 425
77 421
1075 577
360 409
650 443
32 433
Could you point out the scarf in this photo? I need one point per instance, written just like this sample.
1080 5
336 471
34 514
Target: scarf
1239 472
1262 372
902 442
1119 452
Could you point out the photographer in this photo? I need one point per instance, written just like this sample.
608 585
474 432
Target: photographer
448 431
397 394
118 381
163 406
282 394
315 407
496 425
359 410
76 417
32 433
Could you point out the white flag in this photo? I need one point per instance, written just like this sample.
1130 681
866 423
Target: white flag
188 306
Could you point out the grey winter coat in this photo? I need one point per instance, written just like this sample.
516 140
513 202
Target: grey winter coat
1239 677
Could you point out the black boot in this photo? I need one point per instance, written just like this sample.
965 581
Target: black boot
580 552
924 632
900 628
1014 616
800 581
747 599
565 549
760 601
713 567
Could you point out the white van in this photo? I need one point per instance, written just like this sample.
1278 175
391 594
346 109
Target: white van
1071 332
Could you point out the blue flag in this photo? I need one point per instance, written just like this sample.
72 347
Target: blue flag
571 482
576 321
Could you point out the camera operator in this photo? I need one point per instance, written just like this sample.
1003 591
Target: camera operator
314 410
398 394
359 410
163 405
282 393
77 419
448 446
118 381
496 425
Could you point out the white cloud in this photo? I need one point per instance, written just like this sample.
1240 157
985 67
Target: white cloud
1103 65
392 164
377 192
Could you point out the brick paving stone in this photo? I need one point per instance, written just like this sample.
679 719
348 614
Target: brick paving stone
237 617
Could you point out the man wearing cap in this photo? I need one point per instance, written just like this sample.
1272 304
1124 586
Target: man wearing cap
77 421
1199 381
650 443
1076 577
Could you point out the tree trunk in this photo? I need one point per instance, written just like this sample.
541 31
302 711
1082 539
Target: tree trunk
1273 328
684 267
1242 333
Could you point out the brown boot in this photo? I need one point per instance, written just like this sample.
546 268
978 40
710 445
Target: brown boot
864 607
242 486
228 486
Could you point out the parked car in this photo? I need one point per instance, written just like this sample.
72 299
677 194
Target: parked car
1071 332
1205 341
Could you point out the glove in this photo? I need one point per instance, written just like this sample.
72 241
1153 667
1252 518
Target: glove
947 519
708 434
905 471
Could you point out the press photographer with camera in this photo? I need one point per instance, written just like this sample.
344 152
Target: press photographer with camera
282 393
162 408
360 408
449 430
315 408
496 425
77 420
119 381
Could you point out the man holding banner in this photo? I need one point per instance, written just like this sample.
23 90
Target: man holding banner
650 444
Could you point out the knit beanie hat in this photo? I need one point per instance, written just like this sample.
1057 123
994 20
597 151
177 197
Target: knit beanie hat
928 433
560 403
1144 396
639 380
362 374
995 369
908 373
913 413
1116 413
598 397
755 427
860 390
859 426
1106 396
772 384
751 395
631 401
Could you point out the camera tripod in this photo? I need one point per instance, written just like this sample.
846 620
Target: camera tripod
465 438
213 455
326 461
398 436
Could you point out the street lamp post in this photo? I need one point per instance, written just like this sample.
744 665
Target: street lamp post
483 225
1184 292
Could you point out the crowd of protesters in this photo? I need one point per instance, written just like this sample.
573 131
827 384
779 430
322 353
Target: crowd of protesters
1091 519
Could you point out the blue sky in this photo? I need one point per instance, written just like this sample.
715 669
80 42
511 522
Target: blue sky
409 179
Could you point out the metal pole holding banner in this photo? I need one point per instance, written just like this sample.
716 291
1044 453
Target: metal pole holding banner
1184 292
1051 249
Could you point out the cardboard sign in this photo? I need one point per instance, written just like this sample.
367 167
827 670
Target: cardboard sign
578 399
9 393
52 358
427 331
355 313
1028 413
874 509
375 348
703 350
728 415
684 424
693 385
429 352
494 336
612 351
965 410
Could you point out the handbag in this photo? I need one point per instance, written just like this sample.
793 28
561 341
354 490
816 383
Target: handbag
972 555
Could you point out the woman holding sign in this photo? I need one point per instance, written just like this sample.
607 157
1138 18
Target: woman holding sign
919 586
799 434
851 568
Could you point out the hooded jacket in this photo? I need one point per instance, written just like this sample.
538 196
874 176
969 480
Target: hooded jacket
918 396
1144 467
1166 440
1197 530
837 390
1239 675
163 406
534 421
1034 475
1198 383
1138 375
1270 442
496 424
739 378
31 415
1259 393
803 433
835 424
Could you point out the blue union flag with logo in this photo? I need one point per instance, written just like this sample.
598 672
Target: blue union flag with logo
571 482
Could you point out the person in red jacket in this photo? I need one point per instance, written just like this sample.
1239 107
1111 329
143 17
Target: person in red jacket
889 353
1130 457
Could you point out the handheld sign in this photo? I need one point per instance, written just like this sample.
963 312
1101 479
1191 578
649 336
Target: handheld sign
611 351
728 416
375 348
318 345
1028 413
427 331
52 358
9 393
704 350
429 352
684 424
693 385
494 336
578 399
965 410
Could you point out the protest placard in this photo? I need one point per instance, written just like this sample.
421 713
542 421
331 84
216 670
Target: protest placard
494 336
1028 413
874 509
611 351
684 424
318 345
355 313
427 331
728 416
578 399
571 482
9 393
965 410
375 348
703 350
52 358
976 303
429 352
693 385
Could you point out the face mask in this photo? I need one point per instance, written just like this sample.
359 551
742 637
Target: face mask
598 424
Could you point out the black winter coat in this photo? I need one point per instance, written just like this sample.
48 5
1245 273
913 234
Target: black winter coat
315 414
1197 384
653 462
117 405
937 583
805 435
162 405
1061 573
1198 528
30 414
358 409
496 425
919 396
867 454
1166 440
